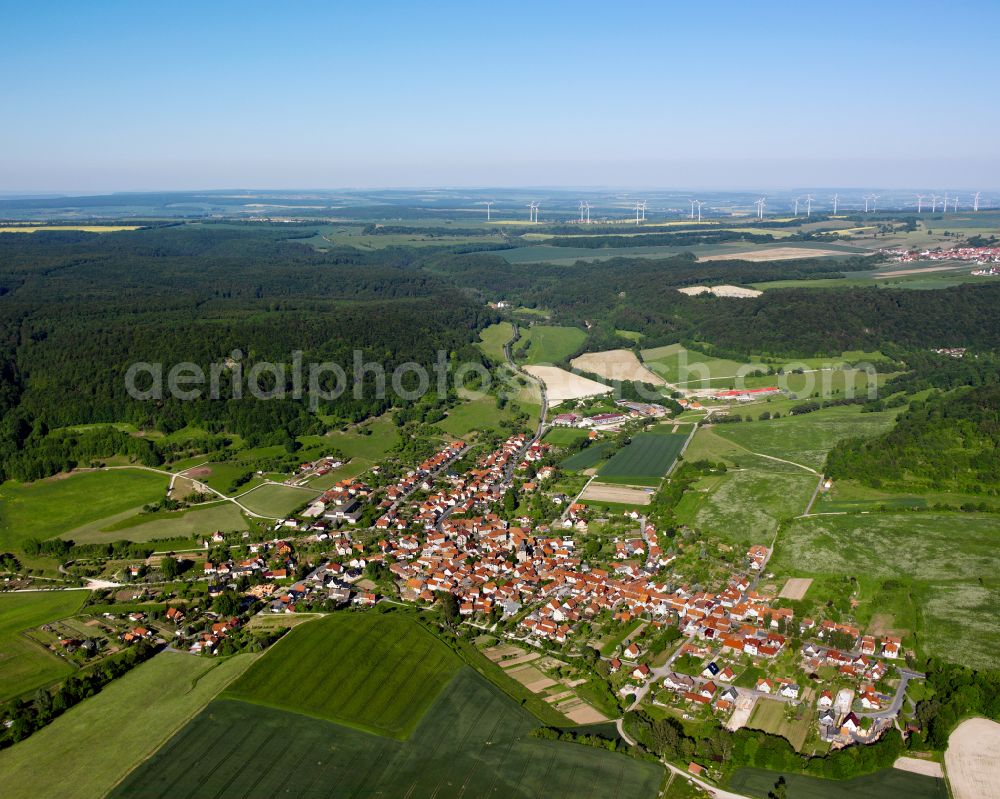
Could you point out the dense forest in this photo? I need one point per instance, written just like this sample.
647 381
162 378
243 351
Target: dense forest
76 309
637 294
948 442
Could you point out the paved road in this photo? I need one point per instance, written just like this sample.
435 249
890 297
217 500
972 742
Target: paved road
905 675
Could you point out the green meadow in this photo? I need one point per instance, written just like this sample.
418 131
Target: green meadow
550 343
24 664
48 508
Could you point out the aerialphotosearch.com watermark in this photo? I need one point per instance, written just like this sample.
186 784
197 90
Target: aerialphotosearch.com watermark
325 381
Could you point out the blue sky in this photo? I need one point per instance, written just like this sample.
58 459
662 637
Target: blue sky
133 96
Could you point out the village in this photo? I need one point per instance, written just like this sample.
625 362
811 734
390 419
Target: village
551 617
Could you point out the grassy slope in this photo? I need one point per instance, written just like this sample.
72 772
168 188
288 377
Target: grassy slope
550 343
47 508
473 742
375 672
930 576
87 750
177 524
806 438
24 664
493 338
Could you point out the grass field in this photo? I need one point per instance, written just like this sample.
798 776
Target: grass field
587 458
87 750
645 460
562 436
277 500
769 715
473 742
806 438
47 508
24 664
885 784
746 506
187 523
930 576
375 672
852 496
478 414
550 343
493 338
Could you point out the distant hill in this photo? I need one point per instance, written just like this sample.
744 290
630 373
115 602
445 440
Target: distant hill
950 442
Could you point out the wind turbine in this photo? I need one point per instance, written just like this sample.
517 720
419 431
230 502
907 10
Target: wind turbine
581 211
836 197
532 212
698 203
975 201
796 206
638 208
874 200
488 211
934 199
692 208
760 207
586 206
867 199
956 204
809 201
920 203
944 208
642 207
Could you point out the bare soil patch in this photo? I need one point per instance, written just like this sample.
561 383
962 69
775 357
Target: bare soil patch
197 471
720 291
498 653
770 254
929 768
584 714
603 492
526 657
971 760
621 365
795 588
562 385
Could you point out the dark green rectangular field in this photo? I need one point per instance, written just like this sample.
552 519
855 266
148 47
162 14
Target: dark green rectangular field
474 742
378 672
889 783
586 458
646 460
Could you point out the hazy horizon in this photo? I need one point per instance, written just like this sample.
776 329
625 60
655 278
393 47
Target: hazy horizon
119 97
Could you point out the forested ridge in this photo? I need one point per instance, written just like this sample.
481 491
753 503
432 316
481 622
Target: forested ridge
76 309
948 442
639 294
80 308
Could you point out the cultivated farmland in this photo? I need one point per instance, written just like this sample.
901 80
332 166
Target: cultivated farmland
473 742
618 365
375 672
886 784
85 752
562 385
24 664
646 460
